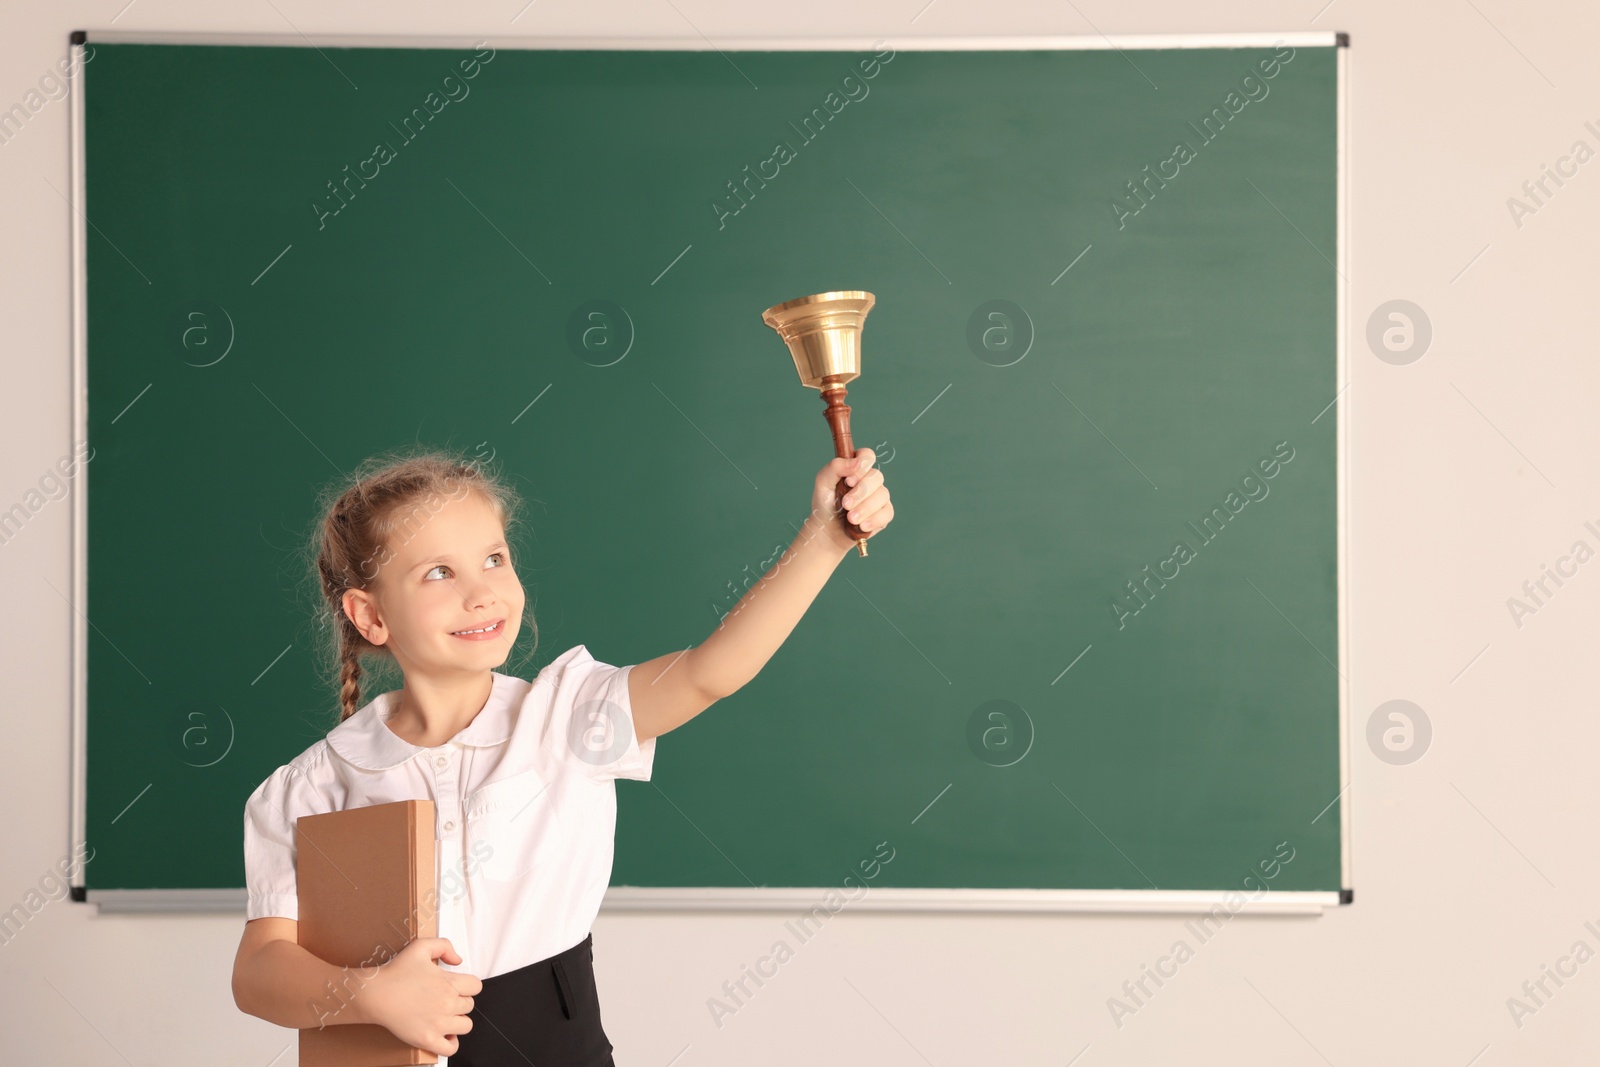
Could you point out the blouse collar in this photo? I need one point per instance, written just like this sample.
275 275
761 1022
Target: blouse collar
365 739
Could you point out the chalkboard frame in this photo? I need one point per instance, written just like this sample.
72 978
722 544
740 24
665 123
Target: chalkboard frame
714 898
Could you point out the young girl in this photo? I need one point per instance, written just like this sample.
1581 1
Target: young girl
415 564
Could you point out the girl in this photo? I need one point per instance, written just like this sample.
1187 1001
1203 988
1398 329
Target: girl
415 565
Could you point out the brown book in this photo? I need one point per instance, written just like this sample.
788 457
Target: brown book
367 889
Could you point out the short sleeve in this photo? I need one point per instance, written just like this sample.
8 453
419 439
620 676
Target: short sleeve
269 854
594 717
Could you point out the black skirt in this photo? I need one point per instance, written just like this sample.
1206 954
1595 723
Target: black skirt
546 1014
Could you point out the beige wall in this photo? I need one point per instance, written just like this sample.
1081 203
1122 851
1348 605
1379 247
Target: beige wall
1473 866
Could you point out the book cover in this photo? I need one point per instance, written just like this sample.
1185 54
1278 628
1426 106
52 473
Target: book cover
366 884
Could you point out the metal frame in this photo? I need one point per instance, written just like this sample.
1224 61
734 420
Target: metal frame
1311 39
80 488
639 898
1342 442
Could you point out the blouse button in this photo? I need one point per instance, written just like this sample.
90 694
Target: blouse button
442 762
449 826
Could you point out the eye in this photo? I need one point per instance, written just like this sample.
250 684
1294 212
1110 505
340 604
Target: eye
501 556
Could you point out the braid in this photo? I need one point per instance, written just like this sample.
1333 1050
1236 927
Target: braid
349 678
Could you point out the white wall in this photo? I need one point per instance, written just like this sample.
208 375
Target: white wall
1471 467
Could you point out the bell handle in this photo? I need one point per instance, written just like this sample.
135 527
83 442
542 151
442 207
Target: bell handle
838 415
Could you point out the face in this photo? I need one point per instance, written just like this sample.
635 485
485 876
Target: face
446 570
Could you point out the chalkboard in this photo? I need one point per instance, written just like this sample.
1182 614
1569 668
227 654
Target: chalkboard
1108 296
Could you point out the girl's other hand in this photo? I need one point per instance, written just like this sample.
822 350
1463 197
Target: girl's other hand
418 1001
866 499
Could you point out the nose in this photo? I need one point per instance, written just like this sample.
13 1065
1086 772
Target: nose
477 593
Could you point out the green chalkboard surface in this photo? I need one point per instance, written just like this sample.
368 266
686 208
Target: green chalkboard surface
1105 328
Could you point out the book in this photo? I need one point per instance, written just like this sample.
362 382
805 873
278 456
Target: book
366 883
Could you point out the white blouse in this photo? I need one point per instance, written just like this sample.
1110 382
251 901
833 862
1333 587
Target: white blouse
526 807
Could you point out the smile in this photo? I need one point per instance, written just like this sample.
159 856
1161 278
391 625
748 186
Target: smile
492 630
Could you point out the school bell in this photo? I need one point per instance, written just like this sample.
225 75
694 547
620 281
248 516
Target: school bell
823 333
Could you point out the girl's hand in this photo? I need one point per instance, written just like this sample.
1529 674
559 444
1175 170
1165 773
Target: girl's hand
418 1001
865 506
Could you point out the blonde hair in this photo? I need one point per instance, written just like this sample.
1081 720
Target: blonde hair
386 498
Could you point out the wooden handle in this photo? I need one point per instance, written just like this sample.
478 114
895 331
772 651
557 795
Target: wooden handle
838 415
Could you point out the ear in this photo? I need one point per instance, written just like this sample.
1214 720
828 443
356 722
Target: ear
360 608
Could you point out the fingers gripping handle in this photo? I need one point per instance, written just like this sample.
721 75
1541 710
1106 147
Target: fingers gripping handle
838 415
